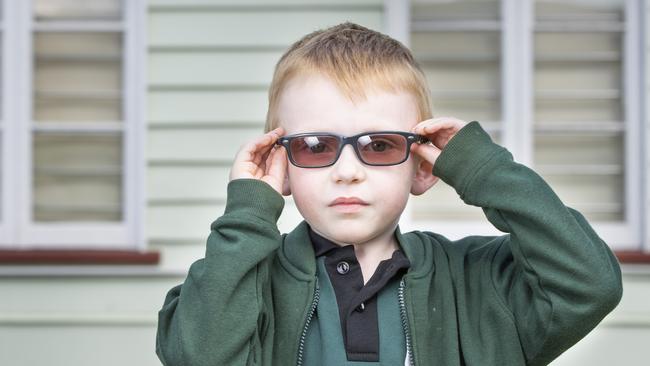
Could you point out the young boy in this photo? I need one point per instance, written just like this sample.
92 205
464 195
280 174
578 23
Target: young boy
348 122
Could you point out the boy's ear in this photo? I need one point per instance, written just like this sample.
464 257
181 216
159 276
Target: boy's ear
423 179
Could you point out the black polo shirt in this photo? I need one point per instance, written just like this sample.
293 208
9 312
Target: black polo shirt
353 296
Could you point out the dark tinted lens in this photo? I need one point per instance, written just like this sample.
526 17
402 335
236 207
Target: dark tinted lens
382 148
314 151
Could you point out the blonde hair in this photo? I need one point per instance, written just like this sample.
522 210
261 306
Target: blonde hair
356 59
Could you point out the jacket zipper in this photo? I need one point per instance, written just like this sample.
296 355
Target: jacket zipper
314 303
405 323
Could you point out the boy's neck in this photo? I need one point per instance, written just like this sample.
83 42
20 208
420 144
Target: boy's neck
371 253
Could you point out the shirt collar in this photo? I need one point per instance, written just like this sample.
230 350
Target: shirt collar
321 245
299 261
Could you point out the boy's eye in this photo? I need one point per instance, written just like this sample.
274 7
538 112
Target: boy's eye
316 145
318 148
379 145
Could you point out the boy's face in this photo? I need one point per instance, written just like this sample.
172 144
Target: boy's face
314 104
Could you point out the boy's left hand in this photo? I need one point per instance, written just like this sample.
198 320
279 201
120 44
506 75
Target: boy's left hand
439 131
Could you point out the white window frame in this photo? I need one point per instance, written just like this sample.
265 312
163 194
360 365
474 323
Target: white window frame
18 230
517 70
7 189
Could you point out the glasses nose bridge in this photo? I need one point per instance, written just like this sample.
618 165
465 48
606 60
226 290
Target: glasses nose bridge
349 140
352 141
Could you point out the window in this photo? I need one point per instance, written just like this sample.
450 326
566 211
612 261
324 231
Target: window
72 124
558 83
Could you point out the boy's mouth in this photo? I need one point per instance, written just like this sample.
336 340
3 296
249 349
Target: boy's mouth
348 204
343 201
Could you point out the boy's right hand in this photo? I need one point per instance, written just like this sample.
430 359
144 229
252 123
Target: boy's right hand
262 159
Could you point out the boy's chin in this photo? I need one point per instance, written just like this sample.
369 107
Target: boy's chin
351 234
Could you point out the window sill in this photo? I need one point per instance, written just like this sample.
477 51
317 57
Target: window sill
633 257
125 257
115 263
66 257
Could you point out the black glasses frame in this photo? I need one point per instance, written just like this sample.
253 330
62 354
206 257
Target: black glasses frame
411 138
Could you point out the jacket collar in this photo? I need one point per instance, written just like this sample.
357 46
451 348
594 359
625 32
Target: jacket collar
296 254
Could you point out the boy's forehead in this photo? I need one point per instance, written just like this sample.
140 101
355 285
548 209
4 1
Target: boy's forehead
316 104
348 128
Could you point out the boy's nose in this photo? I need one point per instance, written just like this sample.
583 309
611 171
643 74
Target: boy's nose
348 168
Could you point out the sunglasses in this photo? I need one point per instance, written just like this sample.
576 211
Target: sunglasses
322 149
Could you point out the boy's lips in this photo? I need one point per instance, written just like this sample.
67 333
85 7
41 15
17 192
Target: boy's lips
344 201
348 205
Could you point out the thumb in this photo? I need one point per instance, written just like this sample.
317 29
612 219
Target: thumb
277 168
428 152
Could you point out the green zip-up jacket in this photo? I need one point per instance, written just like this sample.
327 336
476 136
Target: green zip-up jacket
521 298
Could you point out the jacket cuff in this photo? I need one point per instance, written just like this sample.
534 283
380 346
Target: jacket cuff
464 155
249 196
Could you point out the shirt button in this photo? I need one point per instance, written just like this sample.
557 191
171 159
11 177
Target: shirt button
342 267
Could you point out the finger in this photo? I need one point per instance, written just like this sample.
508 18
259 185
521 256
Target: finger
268 158
262 155
421 124
444 136
277 167
247 152
257 159
270 138
439 125
433 126
254 150
274 135
276 170
438 121
267 139
261 148
249 160
428 152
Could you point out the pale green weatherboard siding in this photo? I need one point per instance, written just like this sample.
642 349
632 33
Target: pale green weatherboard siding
207 83
210 69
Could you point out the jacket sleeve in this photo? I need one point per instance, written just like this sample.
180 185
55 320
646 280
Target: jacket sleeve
552 271
212 318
